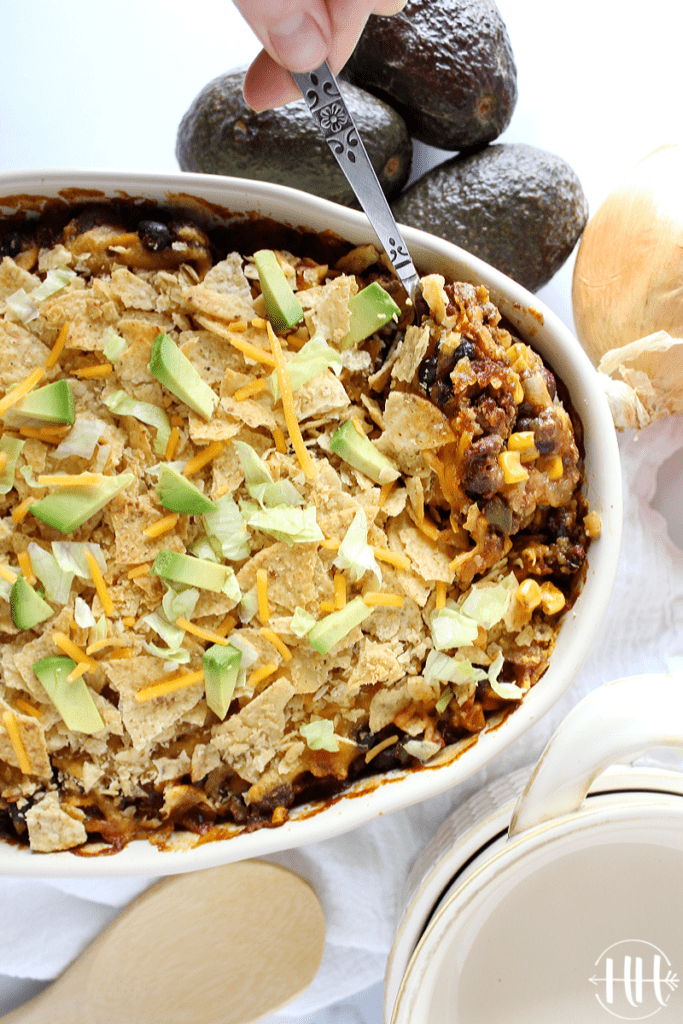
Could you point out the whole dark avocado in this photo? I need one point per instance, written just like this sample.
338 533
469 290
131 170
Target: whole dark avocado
519 208
220 134
445 65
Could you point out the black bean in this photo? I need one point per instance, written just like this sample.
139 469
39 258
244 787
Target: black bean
154 235
427 372
465 349
10 245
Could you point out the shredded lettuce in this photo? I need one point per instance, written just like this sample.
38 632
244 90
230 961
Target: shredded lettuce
168 631
508 691
249 605
421 749
83 615
319 735
82 439
122 404
488 605
288 524
302 622
450 628
54 282
11 446
103 453
22 305
56 581
179 604
229 529
450 670
249 657
70 557
115 346
100 629
231 587
444 700
202 548
355 553
259 482
310 361
179 654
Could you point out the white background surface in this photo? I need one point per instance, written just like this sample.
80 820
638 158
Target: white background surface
105 85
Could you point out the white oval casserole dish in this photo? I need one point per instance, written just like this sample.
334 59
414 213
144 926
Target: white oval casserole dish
219 200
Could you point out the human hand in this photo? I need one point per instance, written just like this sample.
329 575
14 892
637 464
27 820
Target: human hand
298 35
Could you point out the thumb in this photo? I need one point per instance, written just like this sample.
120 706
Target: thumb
296 33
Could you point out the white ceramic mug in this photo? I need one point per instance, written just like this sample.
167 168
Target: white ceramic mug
573 914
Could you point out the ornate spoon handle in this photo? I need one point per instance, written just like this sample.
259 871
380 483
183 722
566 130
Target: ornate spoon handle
321 92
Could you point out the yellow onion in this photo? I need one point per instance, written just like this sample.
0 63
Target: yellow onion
628 276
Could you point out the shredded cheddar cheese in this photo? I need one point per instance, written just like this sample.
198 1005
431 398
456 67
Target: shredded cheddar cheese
383 600
20 511
21 390
79 671
121 652
24 560
280 440
255 387
388 742
100 586
384 492
277 643
128 621
259 355
139 570
440 594
173 441
330 544
391 558
3 460
58 347
7 574
203 634
262 595
106 641
302 453
339 591
12 728
27 709
49 434
169 685
228 623
71 649
327 606
201 460
70 480
164 525
259 674
100 370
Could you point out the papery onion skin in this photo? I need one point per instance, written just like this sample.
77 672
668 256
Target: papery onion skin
628 275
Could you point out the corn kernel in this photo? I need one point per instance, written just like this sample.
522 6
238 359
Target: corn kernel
518 357
552 599
552 466
528 594
521 441
513 470
518 393
592 524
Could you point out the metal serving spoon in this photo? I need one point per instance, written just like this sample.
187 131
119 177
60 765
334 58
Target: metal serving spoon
320 90
227 945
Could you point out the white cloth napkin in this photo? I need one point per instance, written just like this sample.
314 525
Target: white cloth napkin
359 876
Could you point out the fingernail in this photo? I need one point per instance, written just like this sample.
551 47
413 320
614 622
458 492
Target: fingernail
299 43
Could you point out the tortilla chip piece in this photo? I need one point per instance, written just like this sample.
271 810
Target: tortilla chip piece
249 740
435 296
413 425
148 719
326 308
320 396
386 704
129 516
13 277
50 828
307 670
32 736
219 305
20 353
411 353
425 555
290 570
376 663
132 290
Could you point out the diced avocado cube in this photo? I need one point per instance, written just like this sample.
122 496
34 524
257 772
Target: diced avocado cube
73 700
371 309
334 627
173 369
69 507
178 494
359 451
27 608
282 306
11 446
195 572
54 404
221 666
